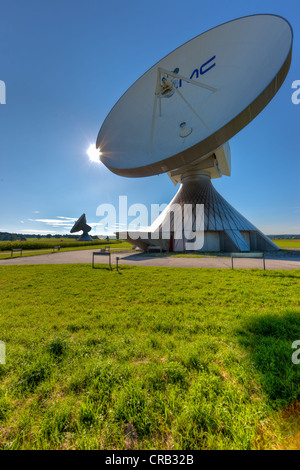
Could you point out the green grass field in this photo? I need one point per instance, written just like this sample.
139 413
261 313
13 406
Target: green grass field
286 243
148 358
49 243
114 245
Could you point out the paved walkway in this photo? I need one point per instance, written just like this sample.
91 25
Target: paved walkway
280 260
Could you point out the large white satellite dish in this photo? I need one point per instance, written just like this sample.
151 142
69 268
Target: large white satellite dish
179 116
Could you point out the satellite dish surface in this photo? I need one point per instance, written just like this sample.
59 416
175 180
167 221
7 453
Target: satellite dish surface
178 118
196 98
79 225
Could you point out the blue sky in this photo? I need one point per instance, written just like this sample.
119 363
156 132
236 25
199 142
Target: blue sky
65 64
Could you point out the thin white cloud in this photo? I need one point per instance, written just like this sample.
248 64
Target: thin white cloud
52 222
95 224
33 231
60 224
67 218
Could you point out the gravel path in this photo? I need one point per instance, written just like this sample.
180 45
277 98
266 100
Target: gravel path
281 260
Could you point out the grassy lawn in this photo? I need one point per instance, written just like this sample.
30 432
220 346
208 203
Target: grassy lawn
49 243
24 253
148 358
284 243
114 246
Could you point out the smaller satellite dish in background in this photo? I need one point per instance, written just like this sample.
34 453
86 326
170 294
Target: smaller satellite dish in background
81 224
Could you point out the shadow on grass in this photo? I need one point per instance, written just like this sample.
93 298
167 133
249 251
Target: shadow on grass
269 341
103 267
285 275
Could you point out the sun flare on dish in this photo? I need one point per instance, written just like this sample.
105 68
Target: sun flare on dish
93 153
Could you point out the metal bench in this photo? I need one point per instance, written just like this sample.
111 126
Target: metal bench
248 255
14 250
102 252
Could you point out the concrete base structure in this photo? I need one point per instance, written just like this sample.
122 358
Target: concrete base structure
223 227
85 237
